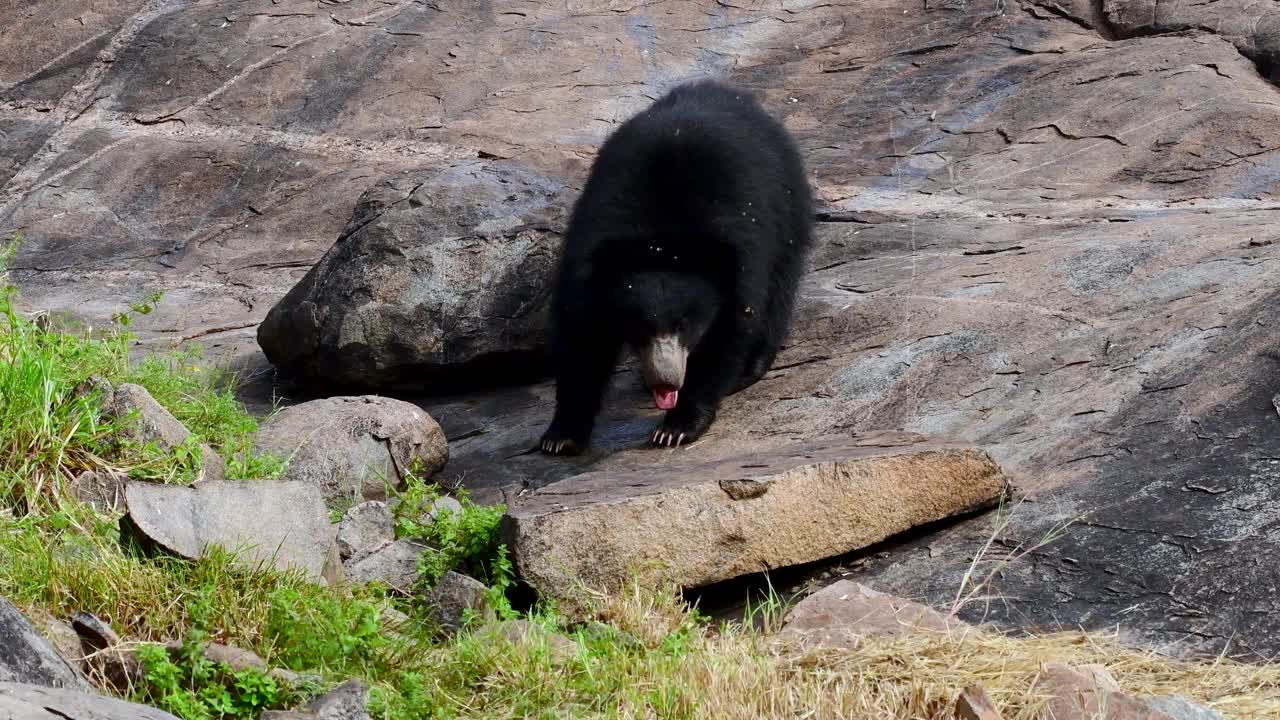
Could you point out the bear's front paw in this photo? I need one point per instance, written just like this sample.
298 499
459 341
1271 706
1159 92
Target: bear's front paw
555 442
682 428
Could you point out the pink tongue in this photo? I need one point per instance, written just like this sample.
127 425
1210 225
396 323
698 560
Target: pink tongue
665 398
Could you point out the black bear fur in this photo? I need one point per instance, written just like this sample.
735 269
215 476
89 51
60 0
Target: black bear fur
695 223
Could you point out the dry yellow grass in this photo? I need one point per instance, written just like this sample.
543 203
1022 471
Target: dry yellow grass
747 675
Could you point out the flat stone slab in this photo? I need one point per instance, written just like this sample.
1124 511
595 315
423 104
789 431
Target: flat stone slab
697 524
280 523
33 702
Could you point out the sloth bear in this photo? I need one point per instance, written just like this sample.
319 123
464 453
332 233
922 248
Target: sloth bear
686 245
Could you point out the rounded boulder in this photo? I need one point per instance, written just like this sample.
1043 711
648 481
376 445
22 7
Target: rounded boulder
354 448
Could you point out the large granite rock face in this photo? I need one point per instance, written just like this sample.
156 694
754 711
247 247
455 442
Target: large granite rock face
1048 229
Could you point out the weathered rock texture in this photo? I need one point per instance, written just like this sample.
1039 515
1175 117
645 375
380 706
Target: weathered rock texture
345 702
147 421
698 524
454 596
365 528
840 615
395 564
354 448
1048 231
27 657
280 524
33 702
439 276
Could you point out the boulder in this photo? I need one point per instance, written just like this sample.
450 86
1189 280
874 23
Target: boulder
697 524
453 596
365 528
148 421
395 564
27 657
1090 693
34 702
278 523
841 614
354 448
348 701
439 278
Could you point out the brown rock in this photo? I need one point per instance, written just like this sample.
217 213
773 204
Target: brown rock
279 523
1089 693
698 524
1252 27
233 657
975 704
353 448
840 615
149 421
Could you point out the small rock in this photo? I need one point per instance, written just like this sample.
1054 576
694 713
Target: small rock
106 657
154 423
523 632
443 504
348 701
101 489
1089 693
27 657
975 704
32 702
1180 708
395 564
233 657
843 613
269 521
353 448
454 595
365 528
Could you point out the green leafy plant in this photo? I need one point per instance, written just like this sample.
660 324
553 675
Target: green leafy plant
193 687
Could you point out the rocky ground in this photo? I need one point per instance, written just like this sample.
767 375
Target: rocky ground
1045 232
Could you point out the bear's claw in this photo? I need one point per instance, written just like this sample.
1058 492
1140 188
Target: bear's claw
666 438
559 446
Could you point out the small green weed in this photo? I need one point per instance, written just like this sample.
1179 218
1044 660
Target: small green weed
191 686
467 541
